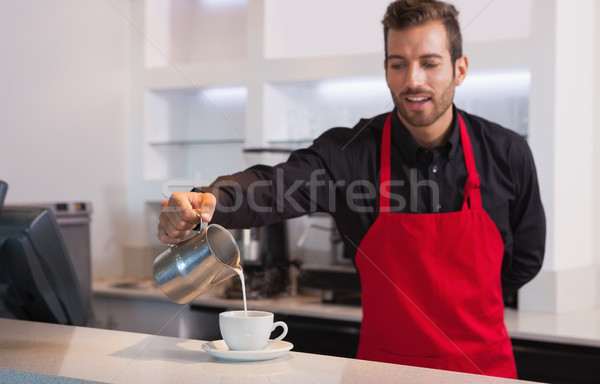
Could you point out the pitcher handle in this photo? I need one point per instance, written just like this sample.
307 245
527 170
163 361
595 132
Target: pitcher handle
198 228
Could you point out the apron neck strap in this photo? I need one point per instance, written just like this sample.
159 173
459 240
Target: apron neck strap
472 195
385 166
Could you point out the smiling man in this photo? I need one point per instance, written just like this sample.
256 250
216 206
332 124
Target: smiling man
439 209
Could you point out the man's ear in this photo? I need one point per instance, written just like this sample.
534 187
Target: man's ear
461 67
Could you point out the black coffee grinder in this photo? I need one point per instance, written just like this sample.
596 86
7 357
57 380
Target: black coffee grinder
264 257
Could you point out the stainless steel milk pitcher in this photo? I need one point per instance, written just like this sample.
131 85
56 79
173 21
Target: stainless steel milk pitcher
193 266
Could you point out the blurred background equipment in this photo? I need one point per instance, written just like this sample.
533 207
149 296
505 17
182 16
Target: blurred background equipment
38 281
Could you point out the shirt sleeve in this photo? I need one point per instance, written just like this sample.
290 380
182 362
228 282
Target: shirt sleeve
527 221
262 195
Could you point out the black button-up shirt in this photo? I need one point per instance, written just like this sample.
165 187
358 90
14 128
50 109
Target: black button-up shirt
339 174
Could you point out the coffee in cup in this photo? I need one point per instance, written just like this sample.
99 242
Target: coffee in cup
249 330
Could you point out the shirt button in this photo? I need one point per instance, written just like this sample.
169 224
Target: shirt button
434 169
438 207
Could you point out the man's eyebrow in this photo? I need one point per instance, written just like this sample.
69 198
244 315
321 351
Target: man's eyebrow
425 56
396 57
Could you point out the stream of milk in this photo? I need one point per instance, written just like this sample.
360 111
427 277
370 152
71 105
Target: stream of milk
240 273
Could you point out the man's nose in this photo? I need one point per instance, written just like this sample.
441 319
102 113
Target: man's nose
416 76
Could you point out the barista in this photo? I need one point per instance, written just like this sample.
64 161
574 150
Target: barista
440 208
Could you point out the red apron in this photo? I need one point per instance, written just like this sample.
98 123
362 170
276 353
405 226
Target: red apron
431 285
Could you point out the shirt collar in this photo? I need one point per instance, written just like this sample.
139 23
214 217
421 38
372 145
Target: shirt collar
403 141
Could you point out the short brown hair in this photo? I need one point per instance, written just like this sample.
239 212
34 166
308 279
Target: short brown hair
403 14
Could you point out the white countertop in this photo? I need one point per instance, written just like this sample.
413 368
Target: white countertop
38 352
576 328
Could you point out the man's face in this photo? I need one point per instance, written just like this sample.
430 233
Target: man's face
420 75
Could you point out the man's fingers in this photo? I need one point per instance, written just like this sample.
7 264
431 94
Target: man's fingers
174 229
206 203
180 210
180 214
167 238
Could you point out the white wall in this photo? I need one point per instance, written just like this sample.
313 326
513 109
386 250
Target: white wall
562 121
64 110
574 114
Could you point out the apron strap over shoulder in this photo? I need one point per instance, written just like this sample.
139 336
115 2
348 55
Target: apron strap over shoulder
472 194
385 166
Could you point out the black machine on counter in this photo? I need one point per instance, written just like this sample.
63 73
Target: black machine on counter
270 270
264 256
336 277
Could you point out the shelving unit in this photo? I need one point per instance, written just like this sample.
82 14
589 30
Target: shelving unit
217 82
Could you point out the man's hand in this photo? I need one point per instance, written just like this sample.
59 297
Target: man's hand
180 214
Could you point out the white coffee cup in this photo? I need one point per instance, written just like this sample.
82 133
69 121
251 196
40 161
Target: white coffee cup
249 331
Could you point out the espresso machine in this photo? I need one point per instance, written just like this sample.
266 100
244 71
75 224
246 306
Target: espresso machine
326 268
264 257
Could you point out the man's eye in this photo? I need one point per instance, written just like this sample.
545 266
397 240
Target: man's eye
430 64
398 66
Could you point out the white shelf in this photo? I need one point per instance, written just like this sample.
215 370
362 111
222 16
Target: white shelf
243 72
205 162
196 115
323 67
301 111
196 75
507 105
186 143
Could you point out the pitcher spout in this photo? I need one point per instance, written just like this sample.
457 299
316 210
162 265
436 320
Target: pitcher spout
227 272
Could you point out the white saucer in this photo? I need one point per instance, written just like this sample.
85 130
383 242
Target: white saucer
219 349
